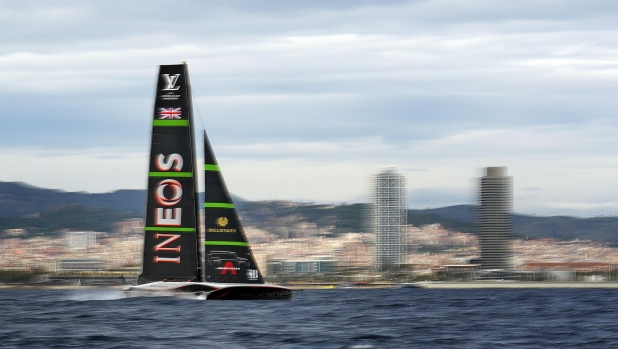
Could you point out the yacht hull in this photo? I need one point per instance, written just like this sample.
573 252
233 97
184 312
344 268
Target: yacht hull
211 290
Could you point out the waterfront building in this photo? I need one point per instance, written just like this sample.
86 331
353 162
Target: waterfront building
390 219
496 219
81 240
77 264
315 264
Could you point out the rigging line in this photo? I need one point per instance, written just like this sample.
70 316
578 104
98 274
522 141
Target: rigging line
198 111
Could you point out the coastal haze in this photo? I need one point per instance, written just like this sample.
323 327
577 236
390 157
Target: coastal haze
305 101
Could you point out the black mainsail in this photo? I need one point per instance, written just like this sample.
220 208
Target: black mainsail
171 250
228 254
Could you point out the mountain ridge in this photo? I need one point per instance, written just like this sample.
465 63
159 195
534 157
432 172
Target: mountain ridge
22 203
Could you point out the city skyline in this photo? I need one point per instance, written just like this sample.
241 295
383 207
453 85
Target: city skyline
305 101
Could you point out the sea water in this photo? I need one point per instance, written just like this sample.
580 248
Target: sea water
338 318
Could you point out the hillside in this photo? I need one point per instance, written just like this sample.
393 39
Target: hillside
19 199
72 217
463 218
459 218
43 210
280 214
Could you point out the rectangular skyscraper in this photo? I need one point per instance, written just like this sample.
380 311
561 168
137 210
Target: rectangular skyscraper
391 219
496 220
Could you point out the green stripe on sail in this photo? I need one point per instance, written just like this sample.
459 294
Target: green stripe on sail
211 168
218 205
227 243
179 230
170 123
170 174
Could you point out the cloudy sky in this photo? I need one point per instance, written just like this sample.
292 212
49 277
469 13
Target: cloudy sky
305 100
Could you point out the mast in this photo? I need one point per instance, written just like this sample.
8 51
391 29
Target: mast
228 254
171 250
196 201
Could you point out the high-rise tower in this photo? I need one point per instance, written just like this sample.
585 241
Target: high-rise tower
496 220
391 219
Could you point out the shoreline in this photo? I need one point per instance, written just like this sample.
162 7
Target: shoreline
420 285
467 285
515 284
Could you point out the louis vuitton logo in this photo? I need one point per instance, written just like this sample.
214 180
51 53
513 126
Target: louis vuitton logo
170 81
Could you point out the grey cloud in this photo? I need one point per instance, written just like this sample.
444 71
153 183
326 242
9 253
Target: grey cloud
419 83
76 22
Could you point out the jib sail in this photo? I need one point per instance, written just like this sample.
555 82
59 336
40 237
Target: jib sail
228 255
171 250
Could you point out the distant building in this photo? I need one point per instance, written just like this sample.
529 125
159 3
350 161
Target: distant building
77 264
13 233
261 259
130 226
315 264
304 230
390 219
81 240
496 219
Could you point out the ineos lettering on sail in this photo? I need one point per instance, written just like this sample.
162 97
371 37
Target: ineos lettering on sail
168 216
172 161
158 259
170 238
162 247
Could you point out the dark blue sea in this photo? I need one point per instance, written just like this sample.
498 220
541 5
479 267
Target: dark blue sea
339 318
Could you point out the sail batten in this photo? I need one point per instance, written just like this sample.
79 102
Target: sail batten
218 205
211 167
180 230
170 123
226 243
170 174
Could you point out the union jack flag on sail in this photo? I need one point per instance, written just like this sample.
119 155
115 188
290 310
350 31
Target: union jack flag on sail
169 113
